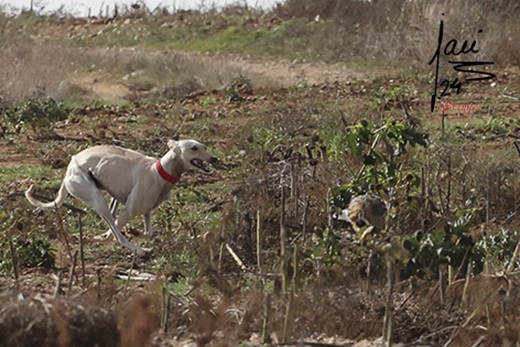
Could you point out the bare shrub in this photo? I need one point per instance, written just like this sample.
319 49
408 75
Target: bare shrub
398 29
35 69
29 68
44 62
160 70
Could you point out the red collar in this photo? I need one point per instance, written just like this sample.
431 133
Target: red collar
166 176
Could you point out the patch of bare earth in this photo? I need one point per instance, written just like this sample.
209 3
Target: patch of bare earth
11 157
98 88
286 73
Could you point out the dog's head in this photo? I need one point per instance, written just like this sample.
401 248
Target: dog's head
192 154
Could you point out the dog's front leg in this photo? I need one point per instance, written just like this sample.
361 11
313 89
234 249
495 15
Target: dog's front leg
148 231
147 223
123 218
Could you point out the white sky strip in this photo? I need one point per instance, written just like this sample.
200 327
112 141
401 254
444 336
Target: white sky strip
81 8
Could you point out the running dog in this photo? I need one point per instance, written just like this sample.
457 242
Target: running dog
139 182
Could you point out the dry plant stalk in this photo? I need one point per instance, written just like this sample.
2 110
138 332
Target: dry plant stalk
511 265
287 318
129 273
288 309
81 253
63 233
329 208
98 286
443 127
295 191
165 308
66 241
235 256
295 268
72 272
258 242
442 284
12 251
464 299
283 243
220 255
368 273
304 222
389 314
57 289
267 314
448 189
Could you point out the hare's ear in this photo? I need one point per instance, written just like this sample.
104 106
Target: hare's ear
172 144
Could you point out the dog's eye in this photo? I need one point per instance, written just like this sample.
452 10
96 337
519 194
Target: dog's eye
194 148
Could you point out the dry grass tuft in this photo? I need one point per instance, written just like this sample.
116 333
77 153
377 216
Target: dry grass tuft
407 30
43 320
34 69
139 323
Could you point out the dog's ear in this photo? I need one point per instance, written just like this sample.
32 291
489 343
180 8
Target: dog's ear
172 144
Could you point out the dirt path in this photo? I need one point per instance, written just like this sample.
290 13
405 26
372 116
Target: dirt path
285 73
102 89
264 73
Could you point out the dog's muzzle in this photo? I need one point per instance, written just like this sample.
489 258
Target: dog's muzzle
203 165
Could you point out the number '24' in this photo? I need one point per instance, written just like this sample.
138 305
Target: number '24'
456 84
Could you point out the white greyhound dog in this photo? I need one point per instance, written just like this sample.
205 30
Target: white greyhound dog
138 181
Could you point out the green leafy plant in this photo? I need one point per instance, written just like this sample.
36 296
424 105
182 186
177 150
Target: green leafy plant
452 245
378 150
238 87
499 248
34 250
387 96
39 113
326 250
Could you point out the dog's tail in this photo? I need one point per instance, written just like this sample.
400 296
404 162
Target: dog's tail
62 195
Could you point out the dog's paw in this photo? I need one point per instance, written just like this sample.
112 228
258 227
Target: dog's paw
143 252
104 237
154 233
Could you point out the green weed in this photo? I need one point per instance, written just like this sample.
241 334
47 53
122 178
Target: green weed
452 245
31 250
8 174
39 113
379 151
499 248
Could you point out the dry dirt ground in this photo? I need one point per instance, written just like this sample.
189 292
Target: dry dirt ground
262 72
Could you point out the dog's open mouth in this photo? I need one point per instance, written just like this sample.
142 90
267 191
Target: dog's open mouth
201 165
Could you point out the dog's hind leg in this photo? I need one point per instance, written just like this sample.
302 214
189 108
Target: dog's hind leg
104 212
113 206
86 191
113 209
